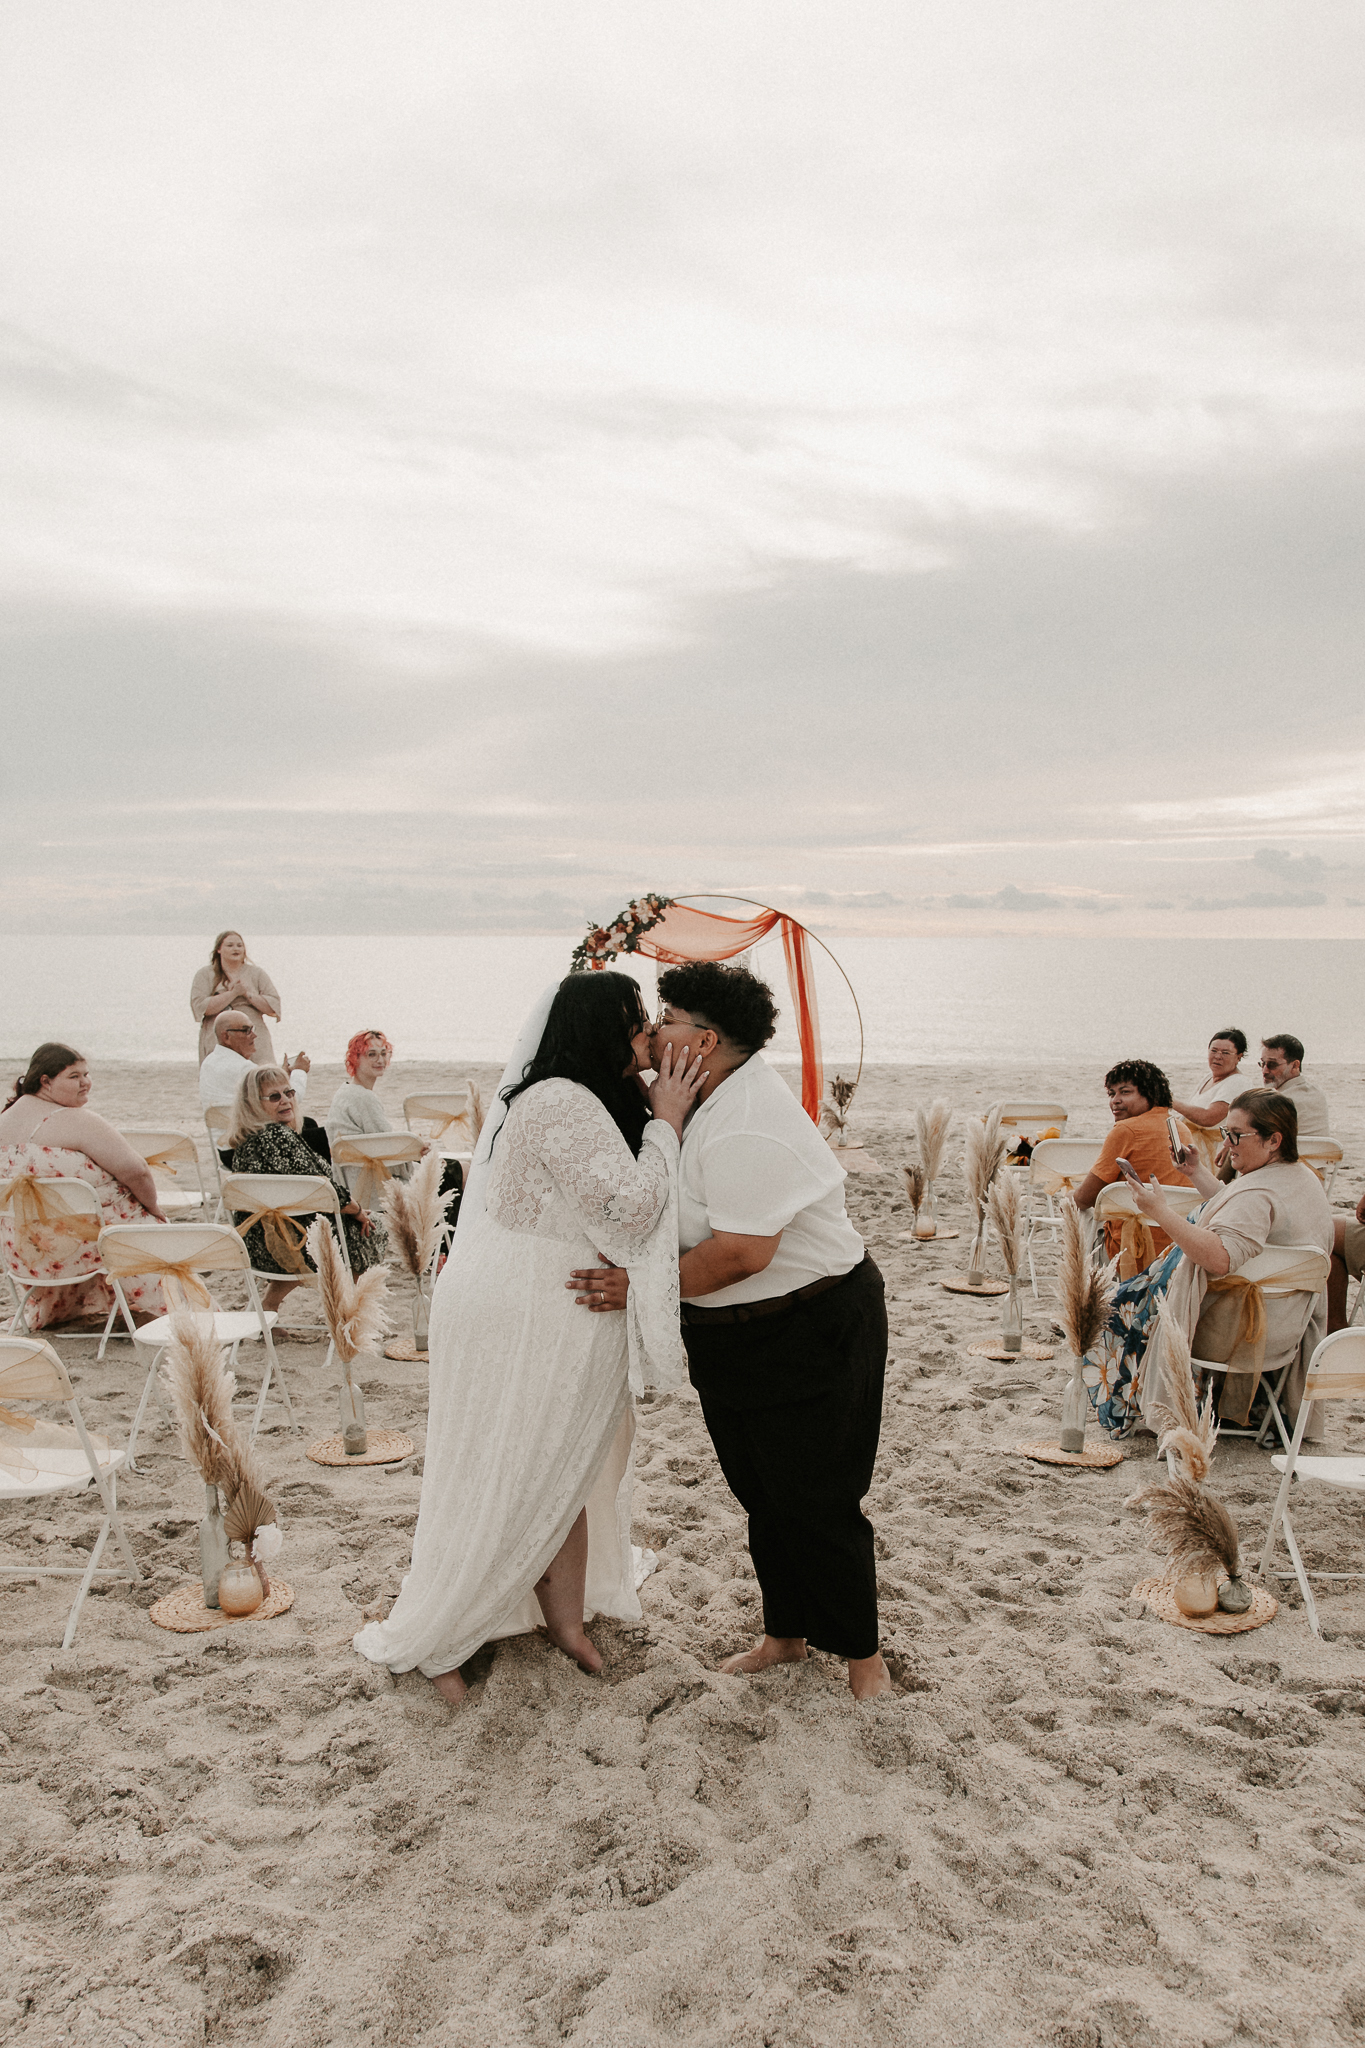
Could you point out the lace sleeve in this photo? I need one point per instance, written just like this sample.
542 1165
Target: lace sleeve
619 1198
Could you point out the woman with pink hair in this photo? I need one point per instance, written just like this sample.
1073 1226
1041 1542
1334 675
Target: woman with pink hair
356 1110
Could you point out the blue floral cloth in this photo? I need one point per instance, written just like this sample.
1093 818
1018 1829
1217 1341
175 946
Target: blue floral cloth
1116 1363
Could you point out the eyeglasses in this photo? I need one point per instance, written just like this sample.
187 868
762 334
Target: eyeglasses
1235 1138
280 1095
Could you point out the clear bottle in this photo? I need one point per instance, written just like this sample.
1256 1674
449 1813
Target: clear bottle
213 1545
354 1439
1075 1410
1012 1318
926 1216
976 1265
421 1315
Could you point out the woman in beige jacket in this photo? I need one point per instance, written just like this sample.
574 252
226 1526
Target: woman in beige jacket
232 982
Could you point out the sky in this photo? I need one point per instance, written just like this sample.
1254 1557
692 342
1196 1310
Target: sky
467 465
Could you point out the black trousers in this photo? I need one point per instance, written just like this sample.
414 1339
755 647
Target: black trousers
793 1403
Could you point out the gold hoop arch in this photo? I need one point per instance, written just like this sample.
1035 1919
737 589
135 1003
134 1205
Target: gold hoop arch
723 896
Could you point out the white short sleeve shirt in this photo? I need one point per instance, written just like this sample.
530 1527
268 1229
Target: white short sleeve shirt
754 1163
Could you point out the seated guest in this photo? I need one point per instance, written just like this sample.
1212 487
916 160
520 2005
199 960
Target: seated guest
264 1140
1139 1099
1223 1083
1348 1263
356 1111
47 1133
1281 1069
1272 1199
225 1069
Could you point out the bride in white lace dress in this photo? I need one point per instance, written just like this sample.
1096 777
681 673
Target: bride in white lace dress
525 1510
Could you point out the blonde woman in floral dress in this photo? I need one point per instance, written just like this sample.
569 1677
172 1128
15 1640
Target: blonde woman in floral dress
47 1133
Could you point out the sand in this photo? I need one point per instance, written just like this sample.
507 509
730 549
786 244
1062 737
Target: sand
1071 1824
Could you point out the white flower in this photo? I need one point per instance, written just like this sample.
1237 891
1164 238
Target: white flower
268 1542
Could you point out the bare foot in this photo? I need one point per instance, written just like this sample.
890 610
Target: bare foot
772 1650
580 1649
868 1677
451 1687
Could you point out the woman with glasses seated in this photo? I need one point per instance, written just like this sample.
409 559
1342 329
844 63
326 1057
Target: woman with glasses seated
265 1139
1272 1199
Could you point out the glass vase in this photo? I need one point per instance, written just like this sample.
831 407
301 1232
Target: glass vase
1012 1318
926 1216
239 1587
976 1265
354 1440
421 1317
213 1545
1075 1411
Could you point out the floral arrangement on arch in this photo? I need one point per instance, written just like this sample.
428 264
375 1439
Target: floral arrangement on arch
622 935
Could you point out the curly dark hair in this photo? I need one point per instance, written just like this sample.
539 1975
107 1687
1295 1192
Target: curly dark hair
736 1004
1149 1081
587 1038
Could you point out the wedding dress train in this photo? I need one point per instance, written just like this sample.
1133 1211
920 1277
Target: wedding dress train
531 1412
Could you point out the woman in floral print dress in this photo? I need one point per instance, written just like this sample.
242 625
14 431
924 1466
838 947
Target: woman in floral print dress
47 1133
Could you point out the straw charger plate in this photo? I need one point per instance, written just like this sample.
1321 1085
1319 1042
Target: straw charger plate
960 1284
1099 1460
1264 1607
385 1447
184 1612
405 1348
986 1350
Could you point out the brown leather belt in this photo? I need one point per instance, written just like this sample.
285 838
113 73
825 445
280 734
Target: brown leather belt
750 1311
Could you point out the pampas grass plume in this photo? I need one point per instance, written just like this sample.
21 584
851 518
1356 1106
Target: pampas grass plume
353 1310
931 1133
982 1157
1195 1530
415 1213
1003 1204
1084 1295
1188 1431
916 1181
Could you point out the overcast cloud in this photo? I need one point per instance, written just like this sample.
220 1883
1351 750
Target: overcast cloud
467 464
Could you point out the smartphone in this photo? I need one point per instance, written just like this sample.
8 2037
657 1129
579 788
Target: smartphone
1177 1142
1129 1171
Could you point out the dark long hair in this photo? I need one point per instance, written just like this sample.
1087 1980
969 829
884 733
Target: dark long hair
587 1038
49 1061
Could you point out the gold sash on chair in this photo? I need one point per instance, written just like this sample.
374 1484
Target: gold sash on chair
30 1204
177 1276
284 1238
374 1172
1137 1245
1251 1329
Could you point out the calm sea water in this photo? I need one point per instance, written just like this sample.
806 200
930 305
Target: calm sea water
922 999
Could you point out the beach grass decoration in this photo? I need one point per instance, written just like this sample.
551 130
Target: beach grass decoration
932 1125
982 1157
416 1213
915 1184
1085 1296
1002 1203
353 1310
1200 1540
238 1507
1188 1432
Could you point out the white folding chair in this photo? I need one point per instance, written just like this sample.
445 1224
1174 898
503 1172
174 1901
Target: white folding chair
1031 1120
217 1122
455 1119
365 1161
289 1196
1283 1273
56 1221
1324 1155
1057 1168
41 1459
174 1160
1336 1372
1115 1204
176 1254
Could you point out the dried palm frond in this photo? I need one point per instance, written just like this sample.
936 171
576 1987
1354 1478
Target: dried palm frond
842 1091
202 1390
916 1181
1195 1530
353 1310
1003 1204
1084 1294
983 1155
1186 1429
403 1234
932 1126
250 1510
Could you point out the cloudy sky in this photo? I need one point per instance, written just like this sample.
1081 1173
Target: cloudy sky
467 464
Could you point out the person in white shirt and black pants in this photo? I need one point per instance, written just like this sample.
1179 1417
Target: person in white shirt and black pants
784 1320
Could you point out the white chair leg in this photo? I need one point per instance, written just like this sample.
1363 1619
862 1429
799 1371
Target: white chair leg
1302 1575
104 1340
151 1385
1277 1516
73 1619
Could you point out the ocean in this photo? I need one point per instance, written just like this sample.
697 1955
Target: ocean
923 1000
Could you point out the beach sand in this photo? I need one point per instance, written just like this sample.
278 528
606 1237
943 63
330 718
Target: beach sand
1072 1824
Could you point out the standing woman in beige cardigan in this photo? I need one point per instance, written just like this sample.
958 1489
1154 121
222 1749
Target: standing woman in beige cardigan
232 982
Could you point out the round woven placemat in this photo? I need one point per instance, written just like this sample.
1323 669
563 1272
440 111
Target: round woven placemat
909 1237
404 1348
1098 1460
385 1447
960 1284
986 1350
184 1612
1264 1607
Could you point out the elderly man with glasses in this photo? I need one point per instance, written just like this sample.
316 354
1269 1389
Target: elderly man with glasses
220 1076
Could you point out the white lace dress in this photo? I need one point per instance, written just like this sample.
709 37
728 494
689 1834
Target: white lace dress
531 1413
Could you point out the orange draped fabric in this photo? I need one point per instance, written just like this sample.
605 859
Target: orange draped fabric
684 934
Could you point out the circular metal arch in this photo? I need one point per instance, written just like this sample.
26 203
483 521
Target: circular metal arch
723 896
